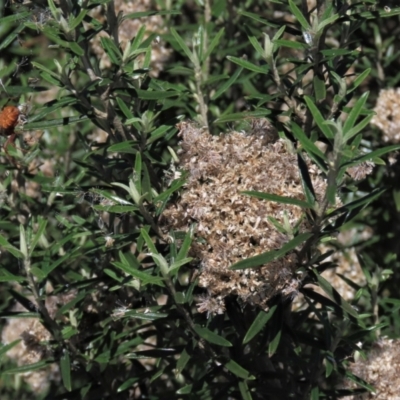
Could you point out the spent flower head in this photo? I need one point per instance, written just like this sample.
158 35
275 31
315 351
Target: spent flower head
232 226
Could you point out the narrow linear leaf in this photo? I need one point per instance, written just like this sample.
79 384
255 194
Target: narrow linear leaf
212 337
27 368
248 65
9 247
135 273
319 88
174 268
299 15
269 256
4 349
327 21
319 119
65 366
257 18
183 251
244 390
183 46
360 79
213 44
273 345
335 296
364 201
355 113
38 234
358 128
253 40
291 44
373 154
148 241
238 370
308 145
226 85
258 324
182 361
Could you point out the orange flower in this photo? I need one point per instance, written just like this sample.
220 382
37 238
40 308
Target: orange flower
9 118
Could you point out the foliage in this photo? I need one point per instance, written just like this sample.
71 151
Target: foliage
85 249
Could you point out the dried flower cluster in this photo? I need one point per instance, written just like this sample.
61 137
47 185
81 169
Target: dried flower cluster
381 370
232 226
31 349
387 117
128 29
360 171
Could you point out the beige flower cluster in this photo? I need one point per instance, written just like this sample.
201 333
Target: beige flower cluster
381 370
34 345
387 117
231 226
129 28
31 349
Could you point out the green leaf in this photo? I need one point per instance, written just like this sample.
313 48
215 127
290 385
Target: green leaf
7 246
253 40
307 144
291 44
160 132
14 17
354 114
269 256
212 337
244 390
256 17
213 44
57 122
148 241
273 345
187 389
318 118
373 154
124 108
187 242
319 88
11 37
76 49
184 47
4 348
258 324
327 21
237 370
75 21
111 50
128 384
144 277
278 199
38 235
359 127
248 65
65 366
226 85
334 295
156 94
27 368
360 79
182 361
299 15
223 119
174 268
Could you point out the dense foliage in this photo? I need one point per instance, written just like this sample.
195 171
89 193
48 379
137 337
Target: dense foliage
200 202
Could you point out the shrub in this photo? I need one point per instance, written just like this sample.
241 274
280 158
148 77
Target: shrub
184 183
